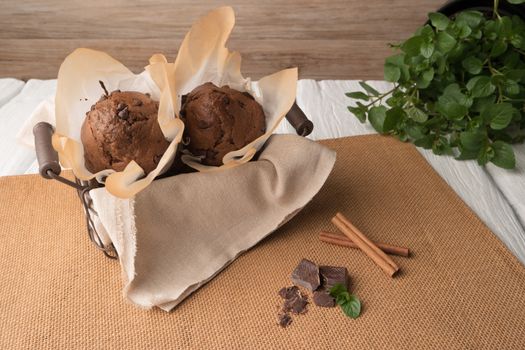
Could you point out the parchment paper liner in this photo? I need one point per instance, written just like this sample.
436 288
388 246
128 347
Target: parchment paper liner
78 89
203 57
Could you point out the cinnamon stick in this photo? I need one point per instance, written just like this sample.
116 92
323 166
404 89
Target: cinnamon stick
342 240
370 249
366 240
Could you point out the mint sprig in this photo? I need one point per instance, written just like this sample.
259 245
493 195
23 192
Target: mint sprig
349 303
459 88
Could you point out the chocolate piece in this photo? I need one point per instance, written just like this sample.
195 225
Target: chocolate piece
296 304
219 120
284 320
124 113
306 275
118 130
294 301
331 275
288 292
323 298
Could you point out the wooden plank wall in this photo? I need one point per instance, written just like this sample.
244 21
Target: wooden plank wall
336 39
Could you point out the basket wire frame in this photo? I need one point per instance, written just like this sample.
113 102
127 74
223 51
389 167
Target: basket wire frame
83 188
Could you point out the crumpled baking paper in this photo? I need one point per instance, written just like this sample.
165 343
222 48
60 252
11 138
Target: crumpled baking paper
78 88
203 57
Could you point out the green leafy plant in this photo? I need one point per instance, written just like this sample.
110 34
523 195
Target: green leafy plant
459 87
349 303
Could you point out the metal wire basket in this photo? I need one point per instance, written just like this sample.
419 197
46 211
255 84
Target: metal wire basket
49 168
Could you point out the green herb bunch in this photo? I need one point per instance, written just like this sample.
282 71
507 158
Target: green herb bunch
459 87
349 303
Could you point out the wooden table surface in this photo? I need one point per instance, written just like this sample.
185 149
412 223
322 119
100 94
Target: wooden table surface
337 39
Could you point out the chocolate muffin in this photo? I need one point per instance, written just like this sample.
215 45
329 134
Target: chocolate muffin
219 120
122 127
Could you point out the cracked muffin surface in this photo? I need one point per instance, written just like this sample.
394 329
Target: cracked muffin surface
219 120
122 127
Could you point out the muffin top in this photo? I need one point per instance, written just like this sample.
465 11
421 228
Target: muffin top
121 127
219 120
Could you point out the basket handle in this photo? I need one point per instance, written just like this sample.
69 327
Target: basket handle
46 155
48 158
302 125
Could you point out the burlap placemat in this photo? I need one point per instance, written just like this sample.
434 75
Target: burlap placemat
460 289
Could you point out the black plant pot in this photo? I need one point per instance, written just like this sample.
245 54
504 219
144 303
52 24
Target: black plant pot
454 6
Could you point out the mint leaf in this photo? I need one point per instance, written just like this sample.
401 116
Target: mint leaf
471 18
480 86
352 307
439 20
392 73
426 49
445 42
358 95
393 116
472 140
503 155
337 289
415 131
425 142
342 298
499 115
349 303
472 65
425 79
511 87
377 116
369 89
498 48
412 46
485 155
453 104
359 112
417 115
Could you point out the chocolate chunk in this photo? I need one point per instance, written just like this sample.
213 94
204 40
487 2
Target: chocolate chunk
284 320
288 292
124 113
296 304
332 275
294 301
136 102
306 275
323 299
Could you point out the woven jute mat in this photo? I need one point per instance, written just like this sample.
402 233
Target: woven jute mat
461 288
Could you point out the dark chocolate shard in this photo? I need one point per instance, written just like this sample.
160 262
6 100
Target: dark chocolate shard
284 320
323 299
294 300
124 113
288 292
296 304
332 275
306 275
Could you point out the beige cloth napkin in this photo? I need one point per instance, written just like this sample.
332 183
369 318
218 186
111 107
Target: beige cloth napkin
181 231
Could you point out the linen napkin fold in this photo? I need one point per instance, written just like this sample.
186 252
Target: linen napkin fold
181 231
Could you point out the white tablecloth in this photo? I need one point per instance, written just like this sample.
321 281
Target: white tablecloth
497 196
